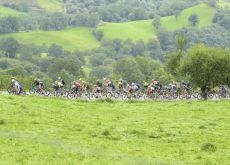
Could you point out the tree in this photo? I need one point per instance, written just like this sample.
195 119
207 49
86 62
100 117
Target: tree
128 69
138 48
71 66
194 19
177 14
9 24
165 38
174 58
157 21
207 66
100 72
55 50
98 34
9 46
147 67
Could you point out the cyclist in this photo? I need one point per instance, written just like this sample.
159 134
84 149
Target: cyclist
76 86
98 86
155 85
134 87
84 84
121 84
58 84
109 83
61 82
145 84
185 86
173 86
38 85
17 86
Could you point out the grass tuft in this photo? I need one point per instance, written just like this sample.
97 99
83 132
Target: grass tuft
2 122
208 147
105 133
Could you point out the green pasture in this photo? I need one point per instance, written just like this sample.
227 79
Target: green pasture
144 30
51 5
135 30
70 39
5 11
224 3
39 130
204 12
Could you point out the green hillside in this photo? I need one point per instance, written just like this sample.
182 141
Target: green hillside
204 12
35 130
134 30
70 39
144 30
224 3
5 11
81 38
50 5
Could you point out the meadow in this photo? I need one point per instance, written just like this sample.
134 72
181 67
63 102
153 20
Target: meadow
39 130
71 39
144 30
51 5
82 38
205 14
5 11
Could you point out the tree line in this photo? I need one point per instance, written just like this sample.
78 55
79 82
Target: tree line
201 64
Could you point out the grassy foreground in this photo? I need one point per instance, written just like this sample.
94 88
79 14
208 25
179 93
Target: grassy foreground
36 130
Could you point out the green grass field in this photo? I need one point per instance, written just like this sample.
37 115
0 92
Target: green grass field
70 39
135 30
204 12
224 3
50 5
35 130
5 11
144 30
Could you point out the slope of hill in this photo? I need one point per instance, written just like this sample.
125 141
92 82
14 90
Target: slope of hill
5 11
55 131
135 30
224 3
50 5
204 12
70 39
144 30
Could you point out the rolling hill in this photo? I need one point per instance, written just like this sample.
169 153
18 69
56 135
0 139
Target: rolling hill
144 30
135 30
224 3
50 5
205 14
70 39
5 11
82 38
